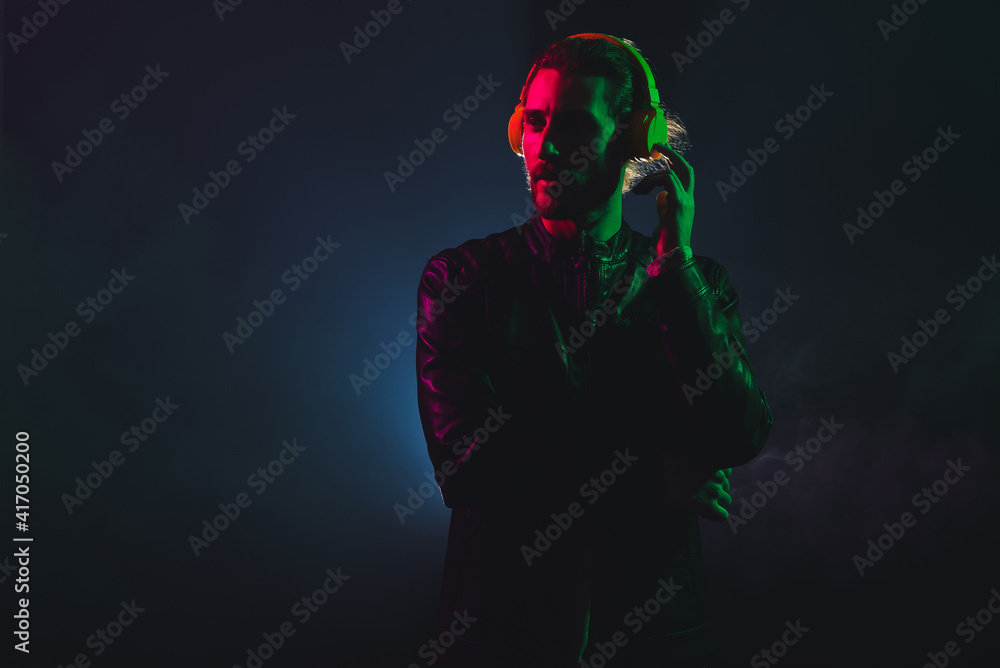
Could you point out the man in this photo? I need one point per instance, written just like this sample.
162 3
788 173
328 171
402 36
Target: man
584 391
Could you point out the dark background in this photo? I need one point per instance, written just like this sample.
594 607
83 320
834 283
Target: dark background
324 175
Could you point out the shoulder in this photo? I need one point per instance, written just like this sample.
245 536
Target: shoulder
482 259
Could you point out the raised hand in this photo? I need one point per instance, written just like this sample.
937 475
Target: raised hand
675 205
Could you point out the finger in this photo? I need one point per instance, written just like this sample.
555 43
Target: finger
650 181
725 499
713 513
675 158
718 514
673 190
680 166
661 204
729 471
726 485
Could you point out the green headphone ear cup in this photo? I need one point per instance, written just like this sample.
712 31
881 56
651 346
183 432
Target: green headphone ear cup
659 132
640 133
653 126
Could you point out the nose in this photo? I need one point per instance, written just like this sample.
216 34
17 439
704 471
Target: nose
547 150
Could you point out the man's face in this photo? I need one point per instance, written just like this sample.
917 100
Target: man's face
567 130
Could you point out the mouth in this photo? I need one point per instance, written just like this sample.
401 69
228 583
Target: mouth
549 187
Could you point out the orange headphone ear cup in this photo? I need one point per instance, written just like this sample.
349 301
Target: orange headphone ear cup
514 129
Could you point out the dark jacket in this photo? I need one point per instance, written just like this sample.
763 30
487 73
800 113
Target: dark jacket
567 436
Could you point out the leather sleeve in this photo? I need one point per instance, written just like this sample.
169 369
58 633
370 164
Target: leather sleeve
487 451
725 419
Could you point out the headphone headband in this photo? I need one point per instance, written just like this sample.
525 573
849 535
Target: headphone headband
652 94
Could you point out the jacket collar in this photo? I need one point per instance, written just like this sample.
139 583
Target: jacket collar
544 244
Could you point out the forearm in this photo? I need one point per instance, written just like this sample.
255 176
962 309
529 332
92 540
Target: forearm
721 405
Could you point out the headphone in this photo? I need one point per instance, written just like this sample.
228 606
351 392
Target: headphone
645 126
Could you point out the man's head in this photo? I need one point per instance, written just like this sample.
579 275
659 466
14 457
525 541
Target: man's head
578 102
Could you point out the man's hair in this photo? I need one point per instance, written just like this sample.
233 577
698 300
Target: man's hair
625 93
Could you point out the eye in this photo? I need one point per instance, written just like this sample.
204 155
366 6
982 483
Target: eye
533 122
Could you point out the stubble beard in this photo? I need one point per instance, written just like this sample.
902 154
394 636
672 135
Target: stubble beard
577 199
